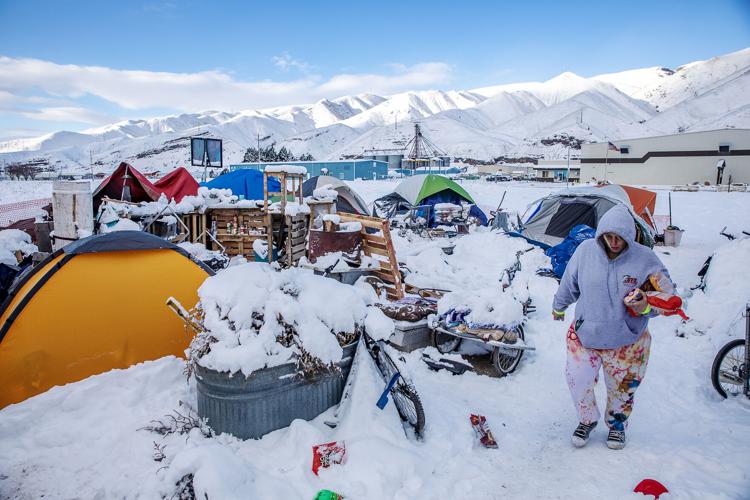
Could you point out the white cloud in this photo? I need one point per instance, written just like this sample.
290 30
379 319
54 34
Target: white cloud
68 114
136 90
286 62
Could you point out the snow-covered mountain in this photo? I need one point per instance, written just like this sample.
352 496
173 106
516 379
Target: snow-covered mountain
512 121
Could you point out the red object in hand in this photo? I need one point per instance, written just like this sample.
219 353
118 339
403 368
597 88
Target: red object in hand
651 487
326 454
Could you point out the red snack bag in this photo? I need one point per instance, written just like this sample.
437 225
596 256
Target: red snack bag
661 296
326 454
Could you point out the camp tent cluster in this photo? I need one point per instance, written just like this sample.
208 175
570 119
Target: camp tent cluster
127 183
92 306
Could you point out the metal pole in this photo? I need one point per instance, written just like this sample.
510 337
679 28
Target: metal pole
567 179
606 163
670 209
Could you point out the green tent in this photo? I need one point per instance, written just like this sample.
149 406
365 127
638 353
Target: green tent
424 190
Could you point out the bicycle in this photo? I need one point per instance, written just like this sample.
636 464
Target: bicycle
402 391
730 372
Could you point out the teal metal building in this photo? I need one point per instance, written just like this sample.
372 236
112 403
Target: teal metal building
347 170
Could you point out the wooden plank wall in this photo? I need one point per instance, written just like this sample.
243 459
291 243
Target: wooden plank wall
379 246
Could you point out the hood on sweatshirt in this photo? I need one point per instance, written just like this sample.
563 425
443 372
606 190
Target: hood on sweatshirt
619 221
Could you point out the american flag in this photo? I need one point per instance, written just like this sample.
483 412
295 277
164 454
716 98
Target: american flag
612 147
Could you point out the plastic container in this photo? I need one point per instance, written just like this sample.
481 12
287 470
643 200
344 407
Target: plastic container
267 399
409 336
672 237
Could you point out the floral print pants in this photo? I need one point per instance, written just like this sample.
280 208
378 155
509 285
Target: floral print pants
624 368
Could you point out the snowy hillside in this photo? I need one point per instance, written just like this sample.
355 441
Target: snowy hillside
483 123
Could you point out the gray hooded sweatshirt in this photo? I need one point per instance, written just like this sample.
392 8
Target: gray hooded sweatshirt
599 284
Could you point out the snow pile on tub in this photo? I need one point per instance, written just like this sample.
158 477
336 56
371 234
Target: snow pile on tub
256 317
718 308
12 241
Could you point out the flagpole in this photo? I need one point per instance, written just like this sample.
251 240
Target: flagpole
606 163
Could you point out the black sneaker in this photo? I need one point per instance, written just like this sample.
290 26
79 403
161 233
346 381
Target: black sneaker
581 434
616 440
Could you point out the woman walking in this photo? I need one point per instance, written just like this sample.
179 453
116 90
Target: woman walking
605 276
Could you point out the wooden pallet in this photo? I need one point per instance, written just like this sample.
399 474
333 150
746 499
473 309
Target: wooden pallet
296 241
196 224
379 246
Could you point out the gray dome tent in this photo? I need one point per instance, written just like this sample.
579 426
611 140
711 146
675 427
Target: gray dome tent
348 200
555 215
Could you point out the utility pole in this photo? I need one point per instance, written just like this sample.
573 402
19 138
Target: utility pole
567 177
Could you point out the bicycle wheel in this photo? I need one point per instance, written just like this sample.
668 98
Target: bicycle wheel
506 360
404 394
409 405
443 342
728 372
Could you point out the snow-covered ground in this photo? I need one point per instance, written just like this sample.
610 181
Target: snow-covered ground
14 191
83 440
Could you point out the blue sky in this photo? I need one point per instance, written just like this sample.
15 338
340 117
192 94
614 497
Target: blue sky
73 65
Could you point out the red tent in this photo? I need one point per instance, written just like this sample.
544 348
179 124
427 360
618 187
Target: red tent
137 187
177 184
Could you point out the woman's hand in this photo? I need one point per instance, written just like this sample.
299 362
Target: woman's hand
558 315
636 300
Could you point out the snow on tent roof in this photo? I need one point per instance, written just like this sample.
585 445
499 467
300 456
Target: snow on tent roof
177 184
244 182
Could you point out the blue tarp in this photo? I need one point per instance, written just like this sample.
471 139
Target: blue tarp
245 183
563 251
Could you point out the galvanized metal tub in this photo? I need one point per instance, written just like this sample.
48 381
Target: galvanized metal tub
267 399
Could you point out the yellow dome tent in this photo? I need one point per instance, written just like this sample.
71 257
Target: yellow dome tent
94 305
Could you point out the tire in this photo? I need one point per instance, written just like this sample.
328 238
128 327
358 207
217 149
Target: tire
443 342
409 405
506 360
404 394
728 372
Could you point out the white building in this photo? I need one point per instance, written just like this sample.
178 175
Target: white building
557 171
712 156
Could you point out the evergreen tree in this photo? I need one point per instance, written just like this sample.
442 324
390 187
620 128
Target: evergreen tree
285 155
269 154
251 155
306 157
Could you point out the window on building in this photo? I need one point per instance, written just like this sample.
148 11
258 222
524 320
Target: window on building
624 150
723 148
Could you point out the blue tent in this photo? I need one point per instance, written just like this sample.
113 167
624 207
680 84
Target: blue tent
245 183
